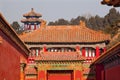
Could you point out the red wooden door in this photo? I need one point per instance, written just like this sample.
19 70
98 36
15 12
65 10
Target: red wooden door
60 75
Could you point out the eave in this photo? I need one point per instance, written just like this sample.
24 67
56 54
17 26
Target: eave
109 53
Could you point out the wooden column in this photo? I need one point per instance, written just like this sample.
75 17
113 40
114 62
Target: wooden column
44 49
39 52
34 53
22 75
29 26
97 51
83 51
34 26
25 27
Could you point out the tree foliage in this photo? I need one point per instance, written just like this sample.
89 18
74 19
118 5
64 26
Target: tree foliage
106 23
15 25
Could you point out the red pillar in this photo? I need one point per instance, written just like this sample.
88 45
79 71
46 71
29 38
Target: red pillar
39 52
29 26
44 49
34 26
83 51
34 52
97 51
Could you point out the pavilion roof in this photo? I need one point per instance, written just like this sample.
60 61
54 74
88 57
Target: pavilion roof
32 13
65 33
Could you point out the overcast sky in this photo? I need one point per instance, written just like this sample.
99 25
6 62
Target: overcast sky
52 10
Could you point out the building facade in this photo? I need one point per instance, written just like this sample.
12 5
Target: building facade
12 50
62 52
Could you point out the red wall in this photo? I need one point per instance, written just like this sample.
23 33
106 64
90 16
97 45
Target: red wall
78 75
99 70
9 59
113 73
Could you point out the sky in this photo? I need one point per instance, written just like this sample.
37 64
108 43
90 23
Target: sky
52 10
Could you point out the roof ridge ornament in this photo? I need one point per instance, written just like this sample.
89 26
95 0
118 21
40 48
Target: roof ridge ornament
43 23
82 23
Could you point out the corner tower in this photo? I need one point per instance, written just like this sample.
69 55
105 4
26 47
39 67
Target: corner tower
32 20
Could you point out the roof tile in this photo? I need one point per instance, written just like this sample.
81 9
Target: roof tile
68 33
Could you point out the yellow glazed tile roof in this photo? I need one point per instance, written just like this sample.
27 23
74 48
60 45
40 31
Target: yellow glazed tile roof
67 33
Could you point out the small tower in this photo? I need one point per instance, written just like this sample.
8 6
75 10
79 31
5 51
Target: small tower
31 21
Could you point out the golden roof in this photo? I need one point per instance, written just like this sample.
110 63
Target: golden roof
32 13
65 33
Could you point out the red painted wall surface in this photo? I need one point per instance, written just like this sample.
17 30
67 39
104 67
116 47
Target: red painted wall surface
41 75
99 69
59 76
78 75
9 59
113 73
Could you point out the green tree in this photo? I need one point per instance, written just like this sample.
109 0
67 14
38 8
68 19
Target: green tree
62 22
15 25
18 29
111 17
